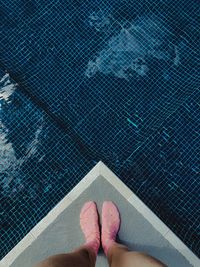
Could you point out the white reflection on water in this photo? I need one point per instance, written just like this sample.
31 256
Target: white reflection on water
10 164
6 87
99 20
8 160
131 50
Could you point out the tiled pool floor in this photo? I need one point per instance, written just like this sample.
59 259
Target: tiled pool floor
115 81
141 230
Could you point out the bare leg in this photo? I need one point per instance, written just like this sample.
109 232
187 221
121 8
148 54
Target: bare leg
119 256
82 257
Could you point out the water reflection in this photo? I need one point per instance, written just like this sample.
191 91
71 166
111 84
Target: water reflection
20 127
133 48
6 87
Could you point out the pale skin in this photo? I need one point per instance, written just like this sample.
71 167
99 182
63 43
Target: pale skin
118 256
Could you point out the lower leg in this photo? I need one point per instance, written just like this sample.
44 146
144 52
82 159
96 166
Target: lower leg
81 257
119 256
84 256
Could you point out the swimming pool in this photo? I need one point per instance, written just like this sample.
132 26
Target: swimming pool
99 80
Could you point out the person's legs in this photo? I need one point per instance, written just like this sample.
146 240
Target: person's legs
120 256
117 254
82 257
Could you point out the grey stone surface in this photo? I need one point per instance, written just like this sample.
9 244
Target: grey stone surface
64 233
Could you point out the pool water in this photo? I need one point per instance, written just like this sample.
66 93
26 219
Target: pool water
115 81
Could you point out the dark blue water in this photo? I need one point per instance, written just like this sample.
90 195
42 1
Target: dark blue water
99 80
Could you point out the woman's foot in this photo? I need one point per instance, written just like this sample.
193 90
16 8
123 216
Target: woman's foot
90 226
110 225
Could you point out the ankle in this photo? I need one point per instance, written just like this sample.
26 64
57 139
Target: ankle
93 246
87 252
115 252
107 244
92 254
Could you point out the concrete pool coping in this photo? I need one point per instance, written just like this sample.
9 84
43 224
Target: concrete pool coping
100 170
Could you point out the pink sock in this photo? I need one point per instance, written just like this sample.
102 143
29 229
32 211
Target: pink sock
89 225
110 225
